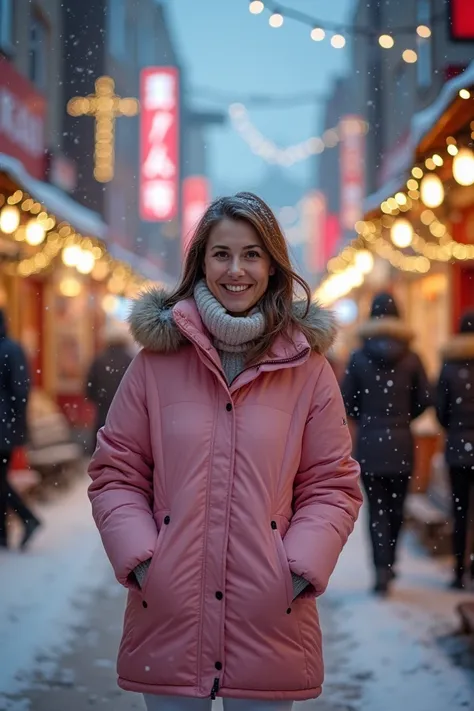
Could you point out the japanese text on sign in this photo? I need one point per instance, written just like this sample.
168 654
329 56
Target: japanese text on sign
159 168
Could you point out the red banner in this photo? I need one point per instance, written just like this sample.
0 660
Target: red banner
195 201
352 171
332 235
313 217
22 118
462 20
159 164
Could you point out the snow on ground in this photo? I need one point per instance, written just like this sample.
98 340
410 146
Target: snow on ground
391 654
40 589
401 645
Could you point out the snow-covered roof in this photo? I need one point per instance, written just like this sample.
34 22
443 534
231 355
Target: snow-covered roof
421 124
144 267
56 201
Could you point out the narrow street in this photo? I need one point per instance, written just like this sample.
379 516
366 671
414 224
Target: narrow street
60 619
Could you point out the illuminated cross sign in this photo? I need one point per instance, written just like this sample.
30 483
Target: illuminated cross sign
105 106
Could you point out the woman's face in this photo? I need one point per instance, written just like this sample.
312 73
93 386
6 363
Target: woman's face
236 266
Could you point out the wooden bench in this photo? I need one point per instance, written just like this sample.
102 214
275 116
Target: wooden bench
50 449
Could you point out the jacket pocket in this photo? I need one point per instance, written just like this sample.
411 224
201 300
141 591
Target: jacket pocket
165 521
285 567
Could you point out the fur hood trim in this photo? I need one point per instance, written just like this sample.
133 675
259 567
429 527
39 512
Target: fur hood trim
153 326
386 327
460 347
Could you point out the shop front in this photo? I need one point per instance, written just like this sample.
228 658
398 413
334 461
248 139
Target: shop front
421 226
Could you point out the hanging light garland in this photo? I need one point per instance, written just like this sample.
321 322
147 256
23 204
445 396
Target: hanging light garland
336 34
86 255
424 185
270 152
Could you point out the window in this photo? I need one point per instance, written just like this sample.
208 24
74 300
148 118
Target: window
424 65
6 26
38 69
116 27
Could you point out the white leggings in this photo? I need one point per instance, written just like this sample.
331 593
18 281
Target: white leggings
185 703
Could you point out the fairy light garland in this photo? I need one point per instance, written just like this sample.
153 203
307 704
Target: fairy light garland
337 33
121 278
270 152
340 278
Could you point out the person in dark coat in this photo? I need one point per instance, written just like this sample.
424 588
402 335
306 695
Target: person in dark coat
385 388
106 373
14 391
455 410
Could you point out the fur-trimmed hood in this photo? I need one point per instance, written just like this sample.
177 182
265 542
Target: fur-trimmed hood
385 339
153 326
386 327
460 347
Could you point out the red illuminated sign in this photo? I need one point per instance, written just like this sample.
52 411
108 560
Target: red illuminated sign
159 164
462 20
195 201
22 117
313 218
352 170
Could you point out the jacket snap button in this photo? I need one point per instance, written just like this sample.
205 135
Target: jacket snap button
274 525
228 407
219 595
218 666
166 520
145 604
288 612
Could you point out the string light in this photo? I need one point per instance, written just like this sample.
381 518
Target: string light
271 153
338 39
465 94
318 34
275 20
423 31
256 7
341 270
410 56
386 41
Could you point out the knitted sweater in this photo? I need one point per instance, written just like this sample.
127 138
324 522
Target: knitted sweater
233 337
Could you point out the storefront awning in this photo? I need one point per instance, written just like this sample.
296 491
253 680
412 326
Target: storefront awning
57 202
422 124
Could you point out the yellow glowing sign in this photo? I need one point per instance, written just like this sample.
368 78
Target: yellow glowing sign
105 106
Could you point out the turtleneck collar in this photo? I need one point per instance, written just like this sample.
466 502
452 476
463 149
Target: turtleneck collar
235 334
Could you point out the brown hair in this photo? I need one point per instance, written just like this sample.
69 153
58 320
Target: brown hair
277 303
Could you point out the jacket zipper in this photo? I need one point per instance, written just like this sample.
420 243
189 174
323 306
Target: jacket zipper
215 689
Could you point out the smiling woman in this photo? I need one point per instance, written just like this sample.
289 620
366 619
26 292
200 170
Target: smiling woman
237 266
223 483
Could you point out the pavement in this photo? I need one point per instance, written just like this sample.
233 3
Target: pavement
61 612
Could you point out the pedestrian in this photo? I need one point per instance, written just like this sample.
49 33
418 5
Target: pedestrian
223 484
106 372
455 410
385 388
14 390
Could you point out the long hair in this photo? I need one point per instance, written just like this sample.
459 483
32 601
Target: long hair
277 304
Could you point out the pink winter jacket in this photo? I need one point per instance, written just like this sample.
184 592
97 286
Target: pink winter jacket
227 489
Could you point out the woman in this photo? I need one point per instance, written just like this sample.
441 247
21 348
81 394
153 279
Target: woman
384 389
455 410
223 483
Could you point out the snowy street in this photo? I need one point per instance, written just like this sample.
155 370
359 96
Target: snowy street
60 619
